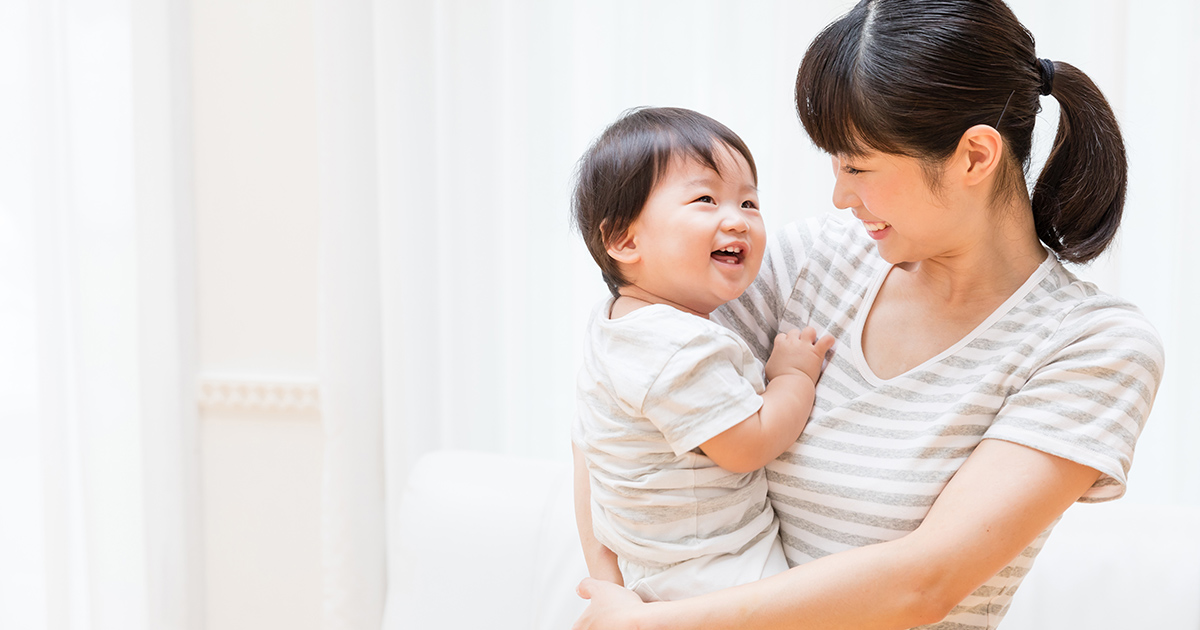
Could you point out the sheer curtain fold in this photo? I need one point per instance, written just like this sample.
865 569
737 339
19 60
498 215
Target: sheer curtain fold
1158 265
482 109
99 480
350 328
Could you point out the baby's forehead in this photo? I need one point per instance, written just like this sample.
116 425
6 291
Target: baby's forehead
727 164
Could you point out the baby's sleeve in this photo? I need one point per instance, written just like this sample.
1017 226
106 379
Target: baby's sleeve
702 391
1089 402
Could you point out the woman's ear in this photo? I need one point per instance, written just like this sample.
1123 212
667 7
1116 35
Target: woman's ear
979 155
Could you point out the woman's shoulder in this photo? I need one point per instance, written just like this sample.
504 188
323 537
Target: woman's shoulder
827 231
1084 300
828 242
1093 364
1086 314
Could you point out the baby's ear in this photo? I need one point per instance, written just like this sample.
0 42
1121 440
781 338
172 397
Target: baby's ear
623 249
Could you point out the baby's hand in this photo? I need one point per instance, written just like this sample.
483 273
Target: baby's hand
798 352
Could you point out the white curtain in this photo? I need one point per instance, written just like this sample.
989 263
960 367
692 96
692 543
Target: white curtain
1147 61
483 110
97 450
477 114
350 346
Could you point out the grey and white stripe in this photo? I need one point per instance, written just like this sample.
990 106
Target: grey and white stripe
1060 367
655 385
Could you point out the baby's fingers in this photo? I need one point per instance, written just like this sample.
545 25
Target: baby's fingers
824 344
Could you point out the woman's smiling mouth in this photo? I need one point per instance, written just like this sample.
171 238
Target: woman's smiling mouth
877 229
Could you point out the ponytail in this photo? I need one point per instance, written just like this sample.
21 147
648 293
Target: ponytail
909 77
1079 196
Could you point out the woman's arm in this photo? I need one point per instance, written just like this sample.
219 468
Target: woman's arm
995 506
601 561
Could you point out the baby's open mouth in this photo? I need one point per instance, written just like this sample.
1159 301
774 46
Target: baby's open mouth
730 255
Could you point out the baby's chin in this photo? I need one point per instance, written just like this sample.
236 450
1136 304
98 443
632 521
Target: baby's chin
730 296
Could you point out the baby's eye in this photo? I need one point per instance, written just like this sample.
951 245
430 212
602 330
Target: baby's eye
750 204
705 199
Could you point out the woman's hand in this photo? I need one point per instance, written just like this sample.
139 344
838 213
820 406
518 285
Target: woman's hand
612 607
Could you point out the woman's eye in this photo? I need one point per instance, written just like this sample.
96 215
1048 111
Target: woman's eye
851 170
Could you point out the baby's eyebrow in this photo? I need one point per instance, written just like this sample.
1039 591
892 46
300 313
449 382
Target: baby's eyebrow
708 181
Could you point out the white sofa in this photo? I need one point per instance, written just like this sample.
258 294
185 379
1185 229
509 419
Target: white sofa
488 541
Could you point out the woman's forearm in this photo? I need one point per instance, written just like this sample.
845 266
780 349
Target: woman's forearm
827 593
994 507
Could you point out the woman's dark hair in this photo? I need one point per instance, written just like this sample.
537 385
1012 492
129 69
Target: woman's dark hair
617 173
909 77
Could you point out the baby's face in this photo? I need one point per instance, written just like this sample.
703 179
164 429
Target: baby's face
700 235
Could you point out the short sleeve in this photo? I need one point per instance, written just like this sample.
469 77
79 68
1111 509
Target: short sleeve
1089 401
703 390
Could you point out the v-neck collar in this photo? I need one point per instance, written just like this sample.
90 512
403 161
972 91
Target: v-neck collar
860 320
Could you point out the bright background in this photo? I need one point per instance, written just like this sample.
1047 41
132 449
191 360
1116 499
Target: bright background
258 255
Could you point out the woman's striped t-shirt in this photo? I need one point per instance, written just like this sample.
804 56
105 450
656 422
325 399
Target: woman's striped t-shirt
1060 367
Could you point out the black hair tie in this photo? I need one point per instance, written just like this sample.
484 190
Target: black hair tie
1046 70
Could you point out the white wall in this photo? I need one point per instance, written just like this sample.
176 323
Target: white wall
256 229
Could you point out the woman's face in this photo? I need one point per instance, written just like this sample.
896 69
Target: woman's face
891 195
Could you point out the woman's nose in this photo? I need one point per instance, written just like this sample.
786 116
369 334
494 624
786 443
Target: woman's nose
843 196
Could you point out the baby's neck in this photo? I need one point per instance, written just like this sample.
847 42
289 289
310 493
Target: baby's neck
632 298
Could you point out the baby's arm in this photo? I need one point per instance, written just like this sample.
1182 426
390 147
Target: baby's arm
792 372
601 562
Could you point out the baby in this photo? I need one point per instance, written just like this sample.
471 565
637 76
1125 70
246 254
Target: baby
675 421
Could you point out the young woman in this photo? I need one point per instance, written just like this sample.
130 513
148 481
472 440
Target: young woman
976 388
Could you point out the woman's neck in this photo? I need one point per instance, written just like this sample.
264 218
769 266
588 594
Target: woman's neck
986 268
974 277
